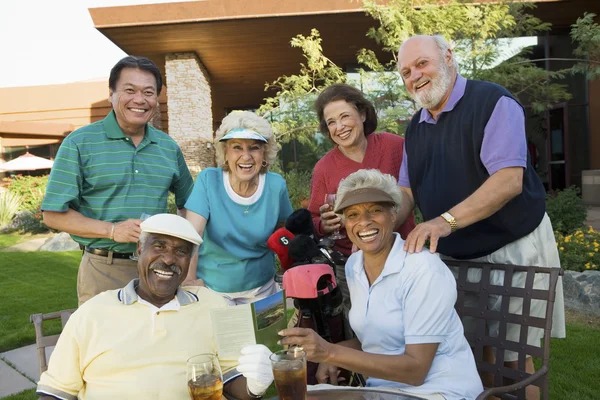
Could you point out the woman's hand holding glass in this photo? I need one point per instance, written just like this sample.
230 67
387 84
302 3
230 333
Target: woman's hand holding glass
330 221
316 348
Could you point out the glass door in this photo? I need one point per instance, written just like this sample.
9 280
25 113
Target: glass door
557 142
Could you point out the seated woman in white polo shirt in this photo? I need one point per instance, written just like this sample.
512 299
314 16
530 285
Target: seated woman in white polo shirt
409 336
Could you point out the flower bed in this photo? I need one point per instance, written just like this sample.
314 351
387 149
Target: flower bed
580 250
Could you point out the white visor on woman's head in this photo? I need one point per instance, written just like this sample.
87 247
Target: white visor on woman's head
243 133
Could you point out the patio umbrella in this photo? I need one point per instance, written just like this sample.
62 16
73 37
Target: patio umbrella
26 162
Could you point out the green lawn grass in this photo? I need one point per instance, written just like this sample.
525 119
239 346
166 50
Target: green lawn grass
45 282
24 395
10 239
30 283
575 364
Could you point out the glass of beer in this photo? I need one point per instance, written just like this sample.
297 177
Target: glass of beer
289 371
204 377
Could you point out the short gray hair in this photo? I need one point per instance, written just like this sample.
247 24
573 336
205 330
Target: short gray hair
143 238
371 178
247 120
444 46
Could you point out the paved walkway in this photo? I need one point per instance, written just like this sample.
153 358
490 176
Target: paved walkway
19 370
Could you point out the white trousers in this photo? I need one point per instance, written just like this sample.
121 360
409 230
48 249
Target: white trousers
250 296
535 249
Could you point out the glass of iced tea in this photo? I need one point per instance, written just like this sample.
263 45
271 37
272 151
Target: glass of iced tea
289 371
204 377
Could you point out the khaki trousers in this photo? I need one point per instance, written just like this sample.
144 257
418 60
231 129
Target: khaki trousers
98 274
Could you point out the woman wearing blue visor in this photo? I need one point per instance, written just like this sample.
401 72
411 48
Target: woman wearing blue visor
235 208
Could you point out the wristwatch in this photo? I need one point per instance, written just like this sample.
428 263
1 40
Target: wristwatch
450 220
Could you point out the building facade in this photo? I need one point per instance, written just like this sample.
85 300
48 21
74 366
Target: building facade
217 55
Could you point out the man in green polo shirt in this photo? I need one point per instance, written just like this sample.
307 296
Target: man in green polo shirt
107 174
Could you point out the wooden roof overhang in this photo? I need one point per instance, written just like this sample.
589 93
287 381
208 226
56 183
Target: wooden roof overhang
17 133
244 44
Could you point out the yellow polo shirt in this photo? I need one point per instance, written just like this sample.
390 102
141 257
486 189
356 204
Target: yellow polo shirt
116 346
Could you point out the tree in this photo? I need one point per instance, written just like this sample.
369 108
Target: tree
475 31
587 34
290 109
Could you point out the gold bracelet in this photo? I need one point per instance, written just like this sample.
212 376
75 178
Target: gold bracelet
112 232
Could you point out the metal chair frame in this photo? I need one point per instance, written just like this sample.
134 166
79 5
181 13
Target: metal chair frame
482 315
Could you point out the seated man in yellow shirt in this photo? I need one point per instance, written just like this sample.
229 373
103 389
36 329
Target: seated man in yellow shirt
133 343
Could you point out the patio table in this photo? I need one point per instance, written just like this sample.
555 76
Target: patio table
355 394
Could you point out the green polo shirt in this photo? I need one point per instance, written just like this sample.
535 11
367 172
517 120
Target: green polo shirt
101 174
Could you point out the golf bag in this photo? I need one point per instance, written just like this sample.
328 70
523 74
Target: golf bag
319 303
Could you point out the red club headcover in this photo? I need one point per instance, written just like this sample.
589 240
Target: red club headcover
278 242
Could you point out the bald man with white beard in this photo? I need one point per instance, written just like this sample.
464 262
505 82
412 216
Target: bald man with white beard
467 168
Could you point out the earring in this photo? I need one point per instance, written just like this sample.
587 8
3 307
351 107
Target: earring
264 163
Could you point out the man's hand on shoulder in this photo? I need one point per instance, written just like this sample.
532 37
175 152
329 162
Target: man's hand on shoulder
433 230
127 231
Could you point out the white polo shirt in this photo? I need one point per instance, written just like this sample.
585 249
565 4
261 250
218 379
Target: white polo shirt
412 302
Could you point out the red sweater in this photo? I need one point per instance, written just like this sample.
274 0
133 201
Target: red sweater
384 152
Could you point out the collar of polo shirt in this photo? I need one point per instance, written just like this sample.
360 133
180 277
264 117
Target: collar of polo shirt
128 294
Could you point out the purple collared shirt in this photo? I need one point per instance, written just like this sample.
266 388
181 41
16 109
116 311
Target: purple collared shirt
504 141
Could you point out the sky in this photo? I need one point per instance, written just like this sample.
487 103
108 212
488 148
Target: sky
44 42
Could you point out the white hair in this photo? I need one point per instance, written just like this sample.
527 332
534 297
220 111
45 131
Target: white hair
247 120
444 46
143 238
371 178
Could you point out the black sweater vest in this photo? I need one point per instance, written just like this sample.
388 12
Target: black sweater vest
445 168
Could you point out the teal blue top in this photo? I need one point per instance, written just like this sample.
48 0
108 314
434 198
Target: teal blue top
100 173
234 256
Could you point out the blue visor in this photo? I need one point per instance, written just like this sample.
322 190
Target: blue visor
243 133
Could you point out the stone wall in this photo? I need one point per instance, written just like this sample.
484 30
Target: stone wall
190 109
590 187
582 291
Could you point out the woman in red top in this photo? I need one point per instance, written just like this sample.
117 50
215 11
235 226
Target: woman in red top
350 120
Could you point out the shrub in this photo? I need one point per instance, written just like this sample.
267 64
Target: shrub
418 216
9 205
171 205
580 250
298 185
29 221
30 188
566 210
